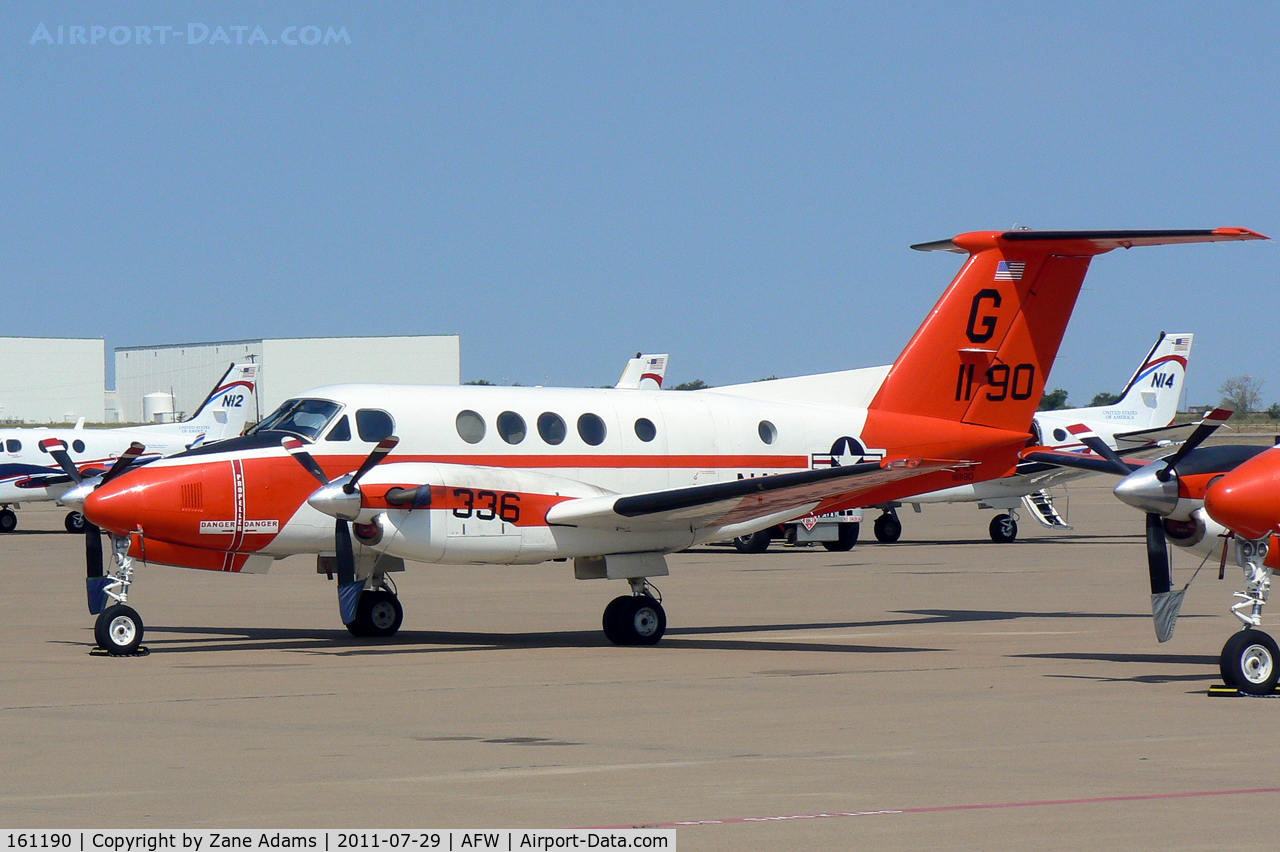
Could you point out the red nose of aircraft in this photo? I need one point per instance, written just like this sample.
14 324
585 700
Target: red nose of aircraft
1247 499
167 503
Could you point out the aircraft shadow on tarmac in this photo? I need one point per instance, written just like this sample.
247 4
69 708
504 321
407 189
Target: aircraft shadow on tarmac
1207 662
182 640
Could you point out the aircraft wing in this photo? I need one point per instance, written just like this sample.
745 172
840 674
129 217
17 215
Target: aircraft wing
1080 461
1161 433
723 504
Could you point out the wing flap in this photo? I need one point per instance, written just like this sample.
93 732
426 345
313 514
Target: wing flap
725 503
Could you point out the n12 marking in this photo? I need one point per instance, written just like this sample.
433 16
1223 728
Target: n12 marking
232 400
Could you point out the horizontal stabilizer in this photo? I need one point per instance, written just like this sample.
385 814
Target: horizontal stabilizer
1081 461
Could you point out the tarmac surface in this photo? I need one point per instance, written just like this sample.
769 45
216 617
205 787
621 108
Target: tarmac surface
944 692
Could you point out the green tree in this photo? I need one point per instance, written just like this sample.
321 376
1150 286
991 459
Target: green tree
1274 411
1104 398
696 384
1244 392
1053 400
485 382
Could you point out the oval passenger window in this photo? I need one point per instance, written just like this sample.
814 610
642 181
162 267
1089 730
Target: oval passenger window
591 429
470 426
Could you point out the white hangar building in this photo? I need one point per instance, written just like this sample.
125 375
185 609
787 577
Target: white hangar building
52 379
289 366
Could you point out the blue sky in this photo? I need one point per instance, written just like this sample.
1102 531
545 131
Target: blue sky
566 184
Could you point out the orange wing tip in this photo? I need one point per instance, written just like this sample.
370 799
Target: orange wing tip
1240 233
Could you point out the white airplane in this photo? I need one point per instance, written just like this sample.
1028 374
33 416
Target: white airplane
644 372
29 475
1141 420
612 479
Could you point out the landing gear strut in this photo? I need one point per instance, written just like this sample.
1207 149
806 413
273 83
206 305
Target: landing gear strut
636 619
1250 660
118 630
1004 528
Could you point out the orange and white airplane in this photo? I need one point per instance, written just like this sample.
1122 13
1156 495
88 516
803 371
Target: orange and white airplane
613 480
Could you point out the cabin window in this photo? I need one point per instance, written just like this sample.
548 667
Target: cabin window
341 432
373 425
591 429
1059 434
13 446
77 445
645 430
511 427
768 432
470 426
551 427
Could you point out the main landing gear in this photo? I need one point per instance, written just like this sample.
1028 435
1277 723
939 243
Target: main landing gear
1004 528
1250 660
637 618
8 520
888 528
378 612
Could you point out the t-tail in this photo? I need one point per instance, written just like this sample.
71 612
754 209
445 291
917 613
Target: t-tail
983 354
1151 397
231 405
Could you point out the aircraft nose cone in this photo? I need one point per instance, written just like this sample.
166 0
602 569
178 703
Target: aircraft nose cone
1143 490
1247 499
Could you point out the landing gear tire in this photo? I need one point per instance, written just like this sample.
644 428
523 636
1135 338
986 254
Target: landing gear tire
757 542
634 620
378 615
888 529
1003 529
118 630
1251 662
8 521
74 522
848 538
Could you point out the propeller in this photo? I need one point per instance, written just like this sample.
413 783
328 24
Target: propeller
1208 424
1091 440
75 497
341 499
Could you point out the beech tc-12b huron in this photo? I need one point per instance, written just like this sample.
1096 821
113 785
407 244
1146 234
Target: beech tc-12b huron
29 475
611 479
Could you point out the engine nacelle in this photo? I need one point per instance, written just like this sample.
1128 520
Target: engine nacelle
1199 534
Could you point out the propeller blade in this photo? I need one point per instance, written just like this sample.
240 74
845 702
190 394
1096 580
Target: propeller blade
92 550
345 552
379 453
1090 439
127 458
58 449
1208 425
1158 564
299 452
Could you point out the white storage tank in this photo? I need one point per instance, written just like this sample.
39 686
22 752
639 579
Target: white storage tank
157 407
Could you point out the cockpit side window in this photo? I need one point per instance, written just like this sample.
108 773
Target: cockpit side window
305 418
341 432
373 425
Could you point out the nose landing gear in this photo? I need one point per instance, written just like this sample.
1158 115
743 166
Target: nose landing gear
1250 659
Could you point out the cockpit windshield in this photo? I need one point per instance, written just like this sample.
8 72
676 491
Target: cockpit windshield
305 418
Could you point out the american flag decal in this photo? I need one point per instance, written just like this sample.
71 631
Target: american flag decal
1010 270
1180 344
